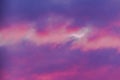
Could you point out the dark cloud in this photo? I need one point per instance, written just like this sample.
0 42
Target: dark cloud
28 59
102 57
45 56
99 12
3 61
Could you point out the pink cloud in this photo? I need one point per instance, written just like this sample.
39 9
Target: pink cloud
95 39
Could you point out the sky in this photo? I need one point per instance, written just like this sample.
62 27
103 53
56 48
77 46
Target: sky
60 40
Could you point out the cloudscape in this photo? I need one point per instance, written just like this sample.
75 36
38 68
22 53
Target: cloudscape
60 40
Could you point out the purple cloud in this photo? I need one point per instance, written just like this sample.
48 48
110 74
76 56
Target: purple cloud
30 60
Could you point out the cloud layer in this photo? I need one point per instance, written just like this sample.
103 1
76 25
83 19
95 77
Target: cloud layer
60 40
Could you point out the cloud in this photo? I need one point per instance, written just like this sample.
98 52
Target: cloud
42 40
92 39
32 62
100 13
